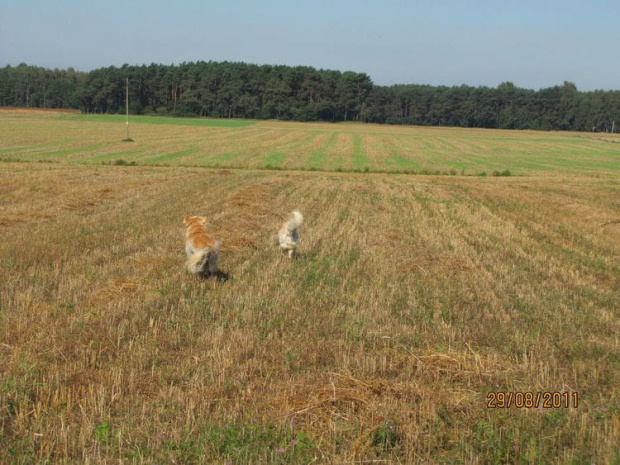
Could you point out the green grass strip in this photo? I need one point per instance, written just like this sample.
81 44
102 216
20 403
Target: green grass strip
164 120
359 160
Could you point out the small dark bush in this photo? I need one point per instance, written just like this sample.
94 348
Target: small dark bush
121 162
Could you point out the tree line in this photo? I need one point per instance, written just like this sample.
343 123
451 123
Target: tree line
302 93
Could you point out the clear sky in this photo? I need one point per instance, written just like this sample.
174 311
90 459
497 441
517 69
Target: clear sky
533 44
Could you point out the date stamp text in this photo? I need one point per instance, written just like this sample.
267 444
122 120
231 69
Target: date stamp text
528 399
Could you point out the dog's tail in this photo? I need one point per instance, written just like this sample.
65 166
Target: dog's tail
196 263
297 219
204 260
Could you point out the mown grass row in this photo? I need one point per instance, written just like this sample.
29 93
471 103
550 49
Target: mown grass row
269 167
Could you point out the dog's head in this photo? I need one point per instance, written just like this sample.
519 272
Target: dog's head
191 220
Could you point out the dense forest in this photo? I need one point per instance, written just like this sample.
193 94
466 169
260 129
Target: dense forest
240 90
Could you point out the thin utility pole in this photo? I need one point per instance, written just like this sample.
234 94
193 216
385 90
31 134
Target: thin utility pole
127 104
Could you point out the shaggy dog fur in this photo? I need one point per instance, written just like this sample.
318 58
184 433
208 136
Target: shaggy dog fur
288 236
202 251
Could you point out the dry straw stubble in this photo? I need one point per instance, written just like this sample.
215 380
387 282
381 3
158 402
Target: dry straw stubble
413 298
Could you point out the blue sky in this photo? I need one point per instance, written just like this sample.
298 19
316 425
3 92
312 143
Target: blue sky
534 44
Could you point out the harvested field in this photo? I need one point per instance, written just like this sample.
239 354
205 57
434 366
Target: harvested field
414 302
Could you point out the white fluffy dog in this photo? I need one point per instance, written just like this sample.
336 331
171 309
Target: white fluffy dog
288 235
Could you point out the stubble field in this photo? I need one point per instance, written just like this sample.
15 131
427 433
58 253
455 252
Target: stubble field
416 299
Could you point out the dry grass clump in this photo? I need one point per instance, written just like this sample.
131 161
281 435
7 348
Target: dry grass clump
413 298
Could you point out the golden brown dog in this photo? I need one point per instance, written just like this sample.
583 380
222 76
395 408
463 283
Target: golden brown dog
202 251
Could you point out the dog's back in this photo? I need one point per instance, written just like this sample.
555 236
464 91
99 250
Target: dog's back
196 234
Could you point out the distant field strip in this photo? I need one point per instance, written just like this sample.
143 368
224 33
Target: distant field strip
96 139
